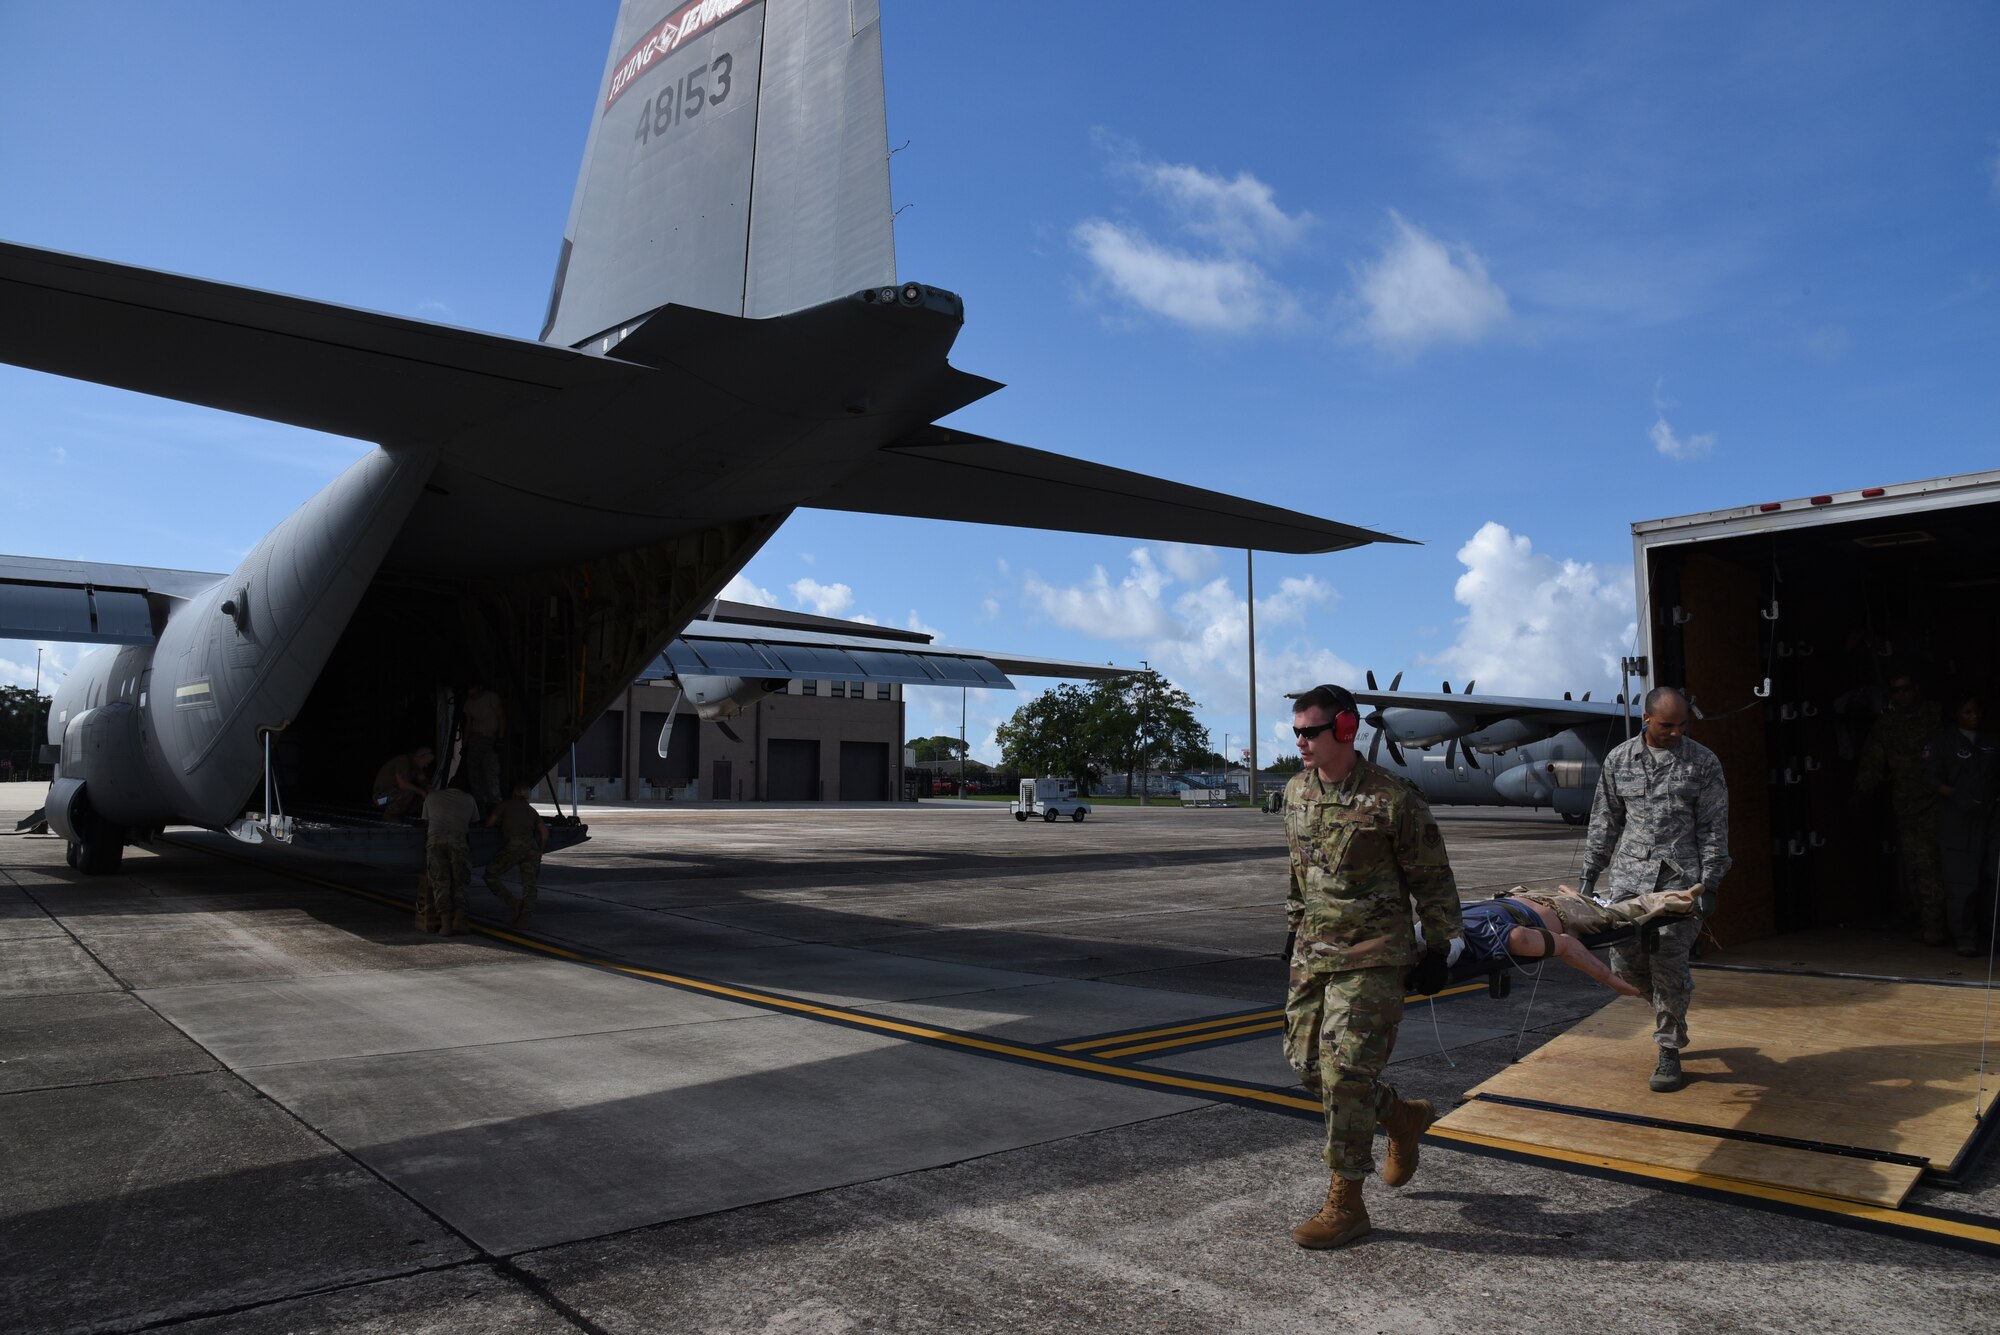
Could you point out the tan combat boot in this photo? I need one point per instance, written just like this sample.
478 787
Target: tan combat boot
1340 1221
1406 1125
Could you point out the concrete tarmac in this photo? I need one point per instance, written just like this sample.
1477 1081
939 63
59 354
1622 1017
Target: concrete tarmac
233 1099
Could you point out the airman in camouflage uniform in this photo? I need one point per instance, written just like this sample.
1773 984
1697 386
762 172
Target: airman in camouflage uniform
1363 848
524 834
441 905
1660 821
1894 752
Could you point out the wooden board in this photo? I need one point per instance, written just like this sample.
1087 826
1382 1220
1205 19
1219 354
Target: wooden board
1885 1067
1615 1145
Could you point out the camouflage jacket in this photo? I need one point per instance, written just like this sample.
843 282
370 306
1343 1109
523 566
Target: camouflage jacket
1895 751
1363 851
1648 811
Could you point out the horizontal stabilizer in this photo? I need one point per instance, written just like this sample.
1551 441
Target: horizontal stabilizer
311 364
938 473
788 652
88 602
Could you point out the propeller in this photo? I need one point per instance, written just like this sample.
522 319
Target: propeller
1586 695
1452 752
1395 681
728 731
1468 687
1371 679
1447 688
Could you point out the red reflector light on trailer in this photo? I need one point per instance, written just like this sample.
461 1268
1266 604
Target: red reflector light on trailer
1873 491
1822 500
1769 506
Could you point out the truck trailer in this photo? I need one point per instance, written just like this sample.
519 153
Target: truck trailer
1783 621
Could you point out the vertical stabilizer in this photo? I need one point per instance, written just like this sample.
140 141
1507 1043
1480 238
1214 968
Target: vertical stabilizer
738 162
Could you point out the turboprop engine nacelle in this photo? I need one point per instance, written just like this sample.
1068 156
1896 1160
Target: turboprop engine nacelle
1506 734
1422 727
718 698
1565 785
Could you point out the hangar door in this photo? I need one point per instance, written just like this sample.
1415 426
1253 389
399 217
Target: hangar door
793 770
864 771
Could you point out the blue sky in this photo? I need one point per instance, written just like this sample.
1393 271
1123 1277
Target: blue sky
1502 279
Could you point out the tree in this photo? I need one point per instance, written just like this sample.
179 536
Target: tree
1287 765
936 748
22 712
1052 734
1144 721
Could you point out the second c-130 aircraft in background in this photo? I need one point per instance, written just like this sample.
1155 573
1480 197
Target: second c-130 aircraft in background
1538 753
727 341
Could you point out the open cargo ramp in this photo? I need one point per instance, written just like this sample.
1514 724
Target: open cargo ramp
1832 1088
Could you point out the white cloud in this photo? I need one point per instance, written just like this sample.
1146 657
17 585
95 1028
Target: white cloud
1535 625
1221 294
1420 291
829 600
17 662
1674 446
741 590
1198 636
1240 213
1215 280
917 624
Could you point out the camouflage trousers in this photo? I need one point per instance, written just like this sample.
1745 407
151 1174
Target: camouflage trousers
1339 1031
441 894
481 754
1665 975
1922 882
525 854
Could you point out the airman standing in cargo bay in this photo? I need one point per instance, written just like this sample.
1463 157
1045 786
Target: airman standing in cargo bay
1661 799
1364 849
1894 752
1962 766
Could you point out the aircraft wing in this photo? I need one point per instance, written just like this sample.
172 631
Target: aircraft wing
1488 708
777 652
939 473
311 364
88 602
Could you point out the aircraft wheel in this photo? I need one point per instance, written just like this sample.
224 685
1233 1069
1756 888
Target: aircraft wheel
1050 815
1573 818
1020 815
72 854
1077 815
101 854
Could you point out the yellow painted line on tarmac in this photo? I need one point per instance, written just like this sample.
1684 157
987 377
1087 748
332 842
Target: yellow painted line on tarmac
1962 1230
1261 1027
1203 1031
1215 1023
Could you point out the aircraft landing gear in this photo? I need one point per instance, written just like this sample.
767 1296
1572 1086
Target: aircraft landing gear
1573 818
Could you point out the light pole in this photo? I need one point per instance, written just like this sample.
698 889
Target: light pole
1145 670
961 743
35 737
1250 606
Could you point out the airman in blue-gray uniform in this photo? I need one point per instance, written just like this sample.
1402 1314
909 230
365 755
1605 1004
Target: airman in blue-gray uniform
1366 862
1660 821
1962 766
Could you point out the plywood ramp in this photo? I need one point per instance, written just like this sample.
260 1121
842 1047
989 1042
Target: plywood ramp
1793 1082
1615 1144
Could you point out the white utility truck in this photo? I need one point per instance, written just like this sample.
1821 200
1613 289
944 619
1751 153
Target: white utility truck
1050 799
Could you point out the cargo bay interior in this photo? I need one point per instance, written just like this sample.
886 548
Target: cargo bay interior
1787 641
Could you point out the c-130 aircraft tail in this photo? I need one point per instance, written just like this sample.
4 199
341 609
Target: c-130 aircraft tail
738 162
534 519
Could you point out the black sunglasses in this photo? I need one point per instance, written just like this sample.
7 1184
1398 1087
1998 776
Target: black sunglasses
1308 733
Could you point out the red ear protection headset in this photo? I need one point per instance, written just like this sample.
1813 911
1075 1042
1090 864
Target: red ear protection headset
1345 724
